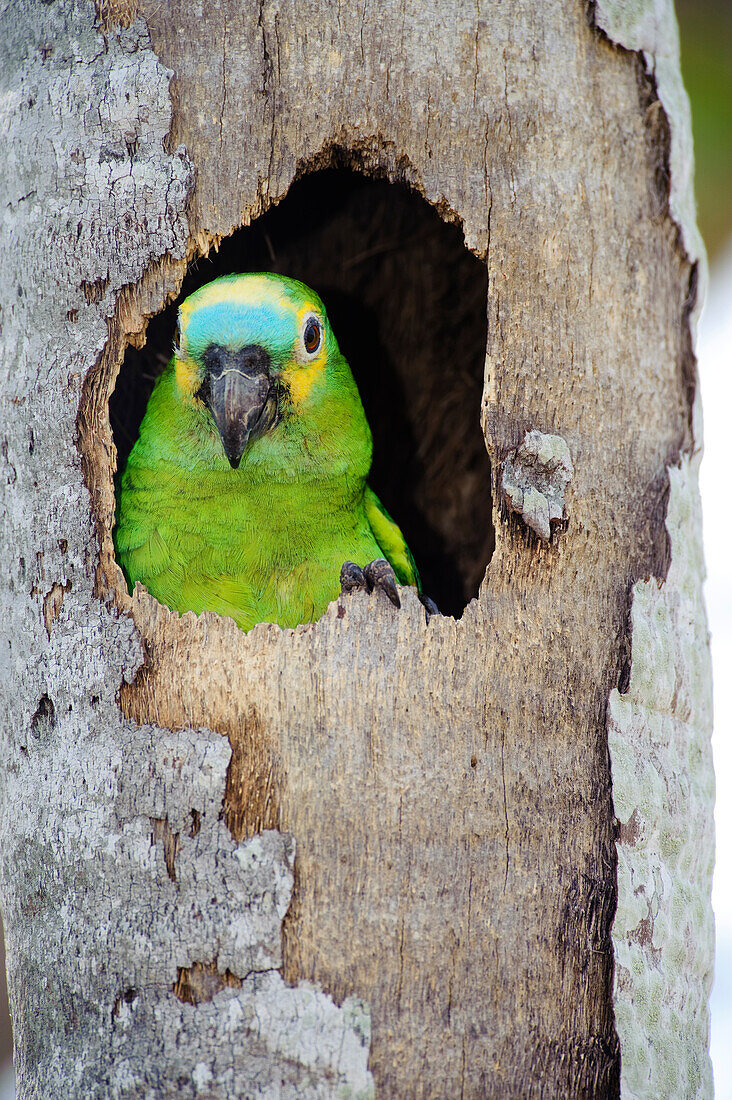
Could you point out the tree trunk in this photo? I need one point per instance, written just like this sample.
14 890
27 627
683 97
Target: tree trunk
459 858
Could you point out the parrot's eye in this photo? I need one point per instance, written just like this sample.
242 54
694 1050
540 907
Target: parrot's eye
312 336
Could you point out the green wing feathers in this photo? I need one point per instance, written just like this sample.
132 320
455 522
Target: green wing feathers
391 540
144 556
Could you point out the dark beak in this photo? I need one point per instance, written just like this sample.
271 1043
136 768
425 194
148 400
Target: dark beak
241 395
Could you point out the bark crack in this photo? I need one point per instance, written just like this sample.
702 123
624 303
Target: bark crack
512 181
223 81
477 37
267 88
171 843
360 31
52 603
200 982
505 801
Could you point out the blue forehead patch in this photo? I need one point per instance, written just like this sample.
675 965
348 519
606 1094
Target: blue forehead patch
238 310
233 325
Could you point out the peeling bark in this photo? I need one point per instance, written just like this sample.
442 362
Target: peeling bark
659 730
371 854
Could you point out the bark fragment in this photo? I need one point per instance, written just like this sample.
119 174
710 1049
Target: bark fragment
534 481
663 792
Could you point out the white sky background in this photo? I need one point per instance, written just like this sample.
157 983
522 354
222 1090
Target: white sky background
714 352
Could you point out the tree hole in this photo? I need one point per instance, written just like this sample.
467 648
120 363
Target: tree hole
407 303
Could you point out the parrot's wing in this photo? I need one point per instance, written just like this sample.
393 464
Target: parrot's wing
391 541
143 556
226 595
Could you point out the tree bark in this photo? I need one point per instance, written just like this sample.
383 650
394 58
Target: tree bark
465 857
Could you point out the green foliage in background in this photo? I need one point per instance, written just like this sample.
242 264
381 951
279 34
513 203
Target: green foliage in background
706 64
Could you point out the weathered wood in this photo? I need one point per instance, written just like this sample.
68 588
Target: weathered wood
446 784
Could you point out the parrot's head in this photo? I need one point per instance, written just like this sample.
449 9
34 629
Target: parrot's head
252 350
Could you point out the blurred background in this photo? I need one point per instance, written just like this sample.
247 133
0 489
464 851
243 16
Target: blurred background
706 64
706 61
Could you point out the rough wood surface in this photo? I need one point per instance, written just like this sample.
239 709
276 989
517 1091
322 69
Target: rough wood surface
663 793
659 731
447 785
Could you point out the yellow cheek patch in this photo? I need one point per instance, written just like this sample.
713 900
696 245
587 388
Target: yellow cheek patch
305 372
301 380
187 376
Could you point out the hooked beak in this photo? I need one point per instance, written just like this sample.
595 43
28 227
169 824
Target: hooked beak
241 395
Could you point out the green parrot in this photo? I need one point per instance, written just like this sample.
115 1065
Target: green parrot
246 491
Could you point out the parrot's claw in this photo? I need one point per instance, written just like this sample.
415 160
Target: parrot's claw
429 605
377 574
352 577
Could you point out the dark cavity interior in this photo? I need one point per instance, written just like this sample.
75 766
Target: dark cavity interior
407 302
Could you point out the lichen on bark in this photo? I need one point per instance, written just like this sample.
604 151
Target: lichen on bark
659 730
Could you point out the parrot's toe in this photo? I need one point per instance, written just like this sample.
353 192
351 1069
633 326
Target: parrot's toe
379 574
429 605
352 577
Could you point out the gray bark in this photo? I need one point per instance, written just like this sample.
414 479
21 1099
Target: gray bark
371 854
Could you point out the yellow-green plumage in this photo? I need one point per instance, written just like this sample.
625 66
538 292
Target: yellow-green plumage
262 541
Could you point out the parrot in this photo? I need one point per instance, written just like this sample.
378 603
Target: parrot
246 492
